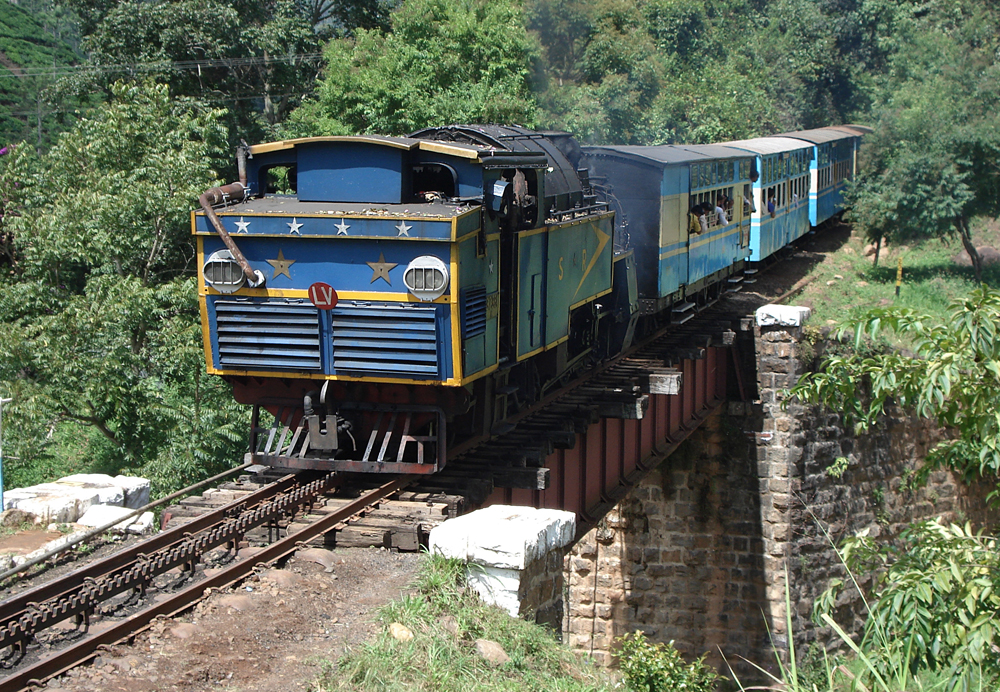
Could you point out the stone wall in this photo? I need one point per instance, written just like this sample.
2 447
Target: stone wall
804 507
542 589
698 552
679 558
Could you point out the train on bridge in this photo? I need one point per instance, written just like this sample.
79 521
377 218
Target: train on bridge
387 299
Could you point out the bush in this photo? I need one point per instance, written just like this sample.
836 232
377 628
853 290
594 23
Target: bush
935 601
651 667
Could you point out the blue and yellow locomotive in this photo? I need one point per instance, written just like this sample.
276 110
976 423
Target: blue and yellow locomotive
387 299
382 295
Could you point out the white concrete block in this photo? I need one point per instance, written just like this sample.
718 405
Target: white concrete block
503 536
136 490
497 586
142 525
782 316
52 502
109 492
99 515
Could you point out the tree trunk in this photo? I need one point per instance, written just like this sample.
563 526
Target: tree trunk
878 249
962 224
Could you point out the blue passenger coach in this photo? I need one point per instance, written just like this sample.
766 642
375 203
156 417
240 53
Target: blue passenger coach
834 162
656 190
781 206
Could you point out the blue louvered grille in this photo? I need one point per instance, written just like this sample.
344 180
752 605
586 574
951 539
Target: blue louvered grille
267 334
473 311
385 340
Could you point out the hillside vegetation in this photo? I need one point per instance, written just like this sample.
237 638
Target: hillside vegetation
31 46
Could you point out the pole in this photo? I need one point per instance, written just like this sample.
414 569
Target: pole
899 275
2 402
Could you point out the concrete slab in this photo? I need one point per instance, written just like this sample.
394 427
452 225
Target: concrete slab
109 492
782 315
99 515
504 536
136 490
51 502
142 525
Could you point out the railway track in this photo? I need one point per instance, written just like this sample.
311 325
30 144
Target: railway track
121 584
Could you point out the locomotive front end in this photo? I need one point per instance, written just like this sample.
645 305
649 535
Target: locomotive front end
369 305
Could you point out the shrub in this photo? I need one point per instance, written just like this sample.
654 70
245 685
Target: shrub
935 601
649 667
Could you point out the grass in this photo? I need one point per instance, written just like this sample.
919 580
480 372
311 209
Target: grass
932 278
442 660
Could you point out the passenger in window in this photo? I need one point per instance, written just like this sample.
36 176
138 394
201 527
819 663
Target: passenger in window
747 206
770 204
694 227
720 210
703 217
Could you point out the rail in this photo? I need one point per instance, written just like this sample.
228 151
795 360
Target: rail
111 524
21 618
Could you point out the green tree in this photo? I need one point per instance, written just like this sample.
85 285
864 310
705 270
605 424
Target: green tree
255 58
953 378
99 327
444 61
33 47
931 168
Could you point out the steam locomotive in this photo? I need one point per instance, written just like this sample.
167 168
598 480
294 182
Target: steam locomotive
380 301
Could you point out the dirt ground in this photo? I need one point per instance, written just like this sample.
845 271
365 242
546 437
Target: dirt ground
273 632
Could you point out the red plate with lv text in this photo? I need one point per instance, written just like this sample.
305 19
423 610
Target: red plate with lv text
323 296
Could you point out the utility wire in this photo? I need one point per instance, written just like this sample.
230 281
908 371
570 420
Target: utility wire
207 99
179 65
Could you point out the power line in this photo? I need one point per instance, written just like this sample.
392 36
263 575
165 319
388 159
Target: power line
210 100
165 65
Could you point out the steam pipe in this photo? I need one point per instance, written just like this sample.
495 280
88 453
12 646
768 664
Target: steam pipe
242 152
219 195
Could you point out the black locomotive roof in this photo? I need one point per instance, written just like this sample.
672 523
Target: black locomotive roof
561 177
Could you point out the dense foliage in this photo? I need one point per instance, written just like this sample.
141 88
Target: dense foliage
655 667
34 41
931 166
934 598
953 377
99 327
442 62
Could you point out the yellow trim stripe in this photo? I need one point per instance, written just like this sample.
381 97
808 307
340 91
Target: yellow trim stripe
482 373
291 143
206 336
456 326
450 382
342 295
718 237
471 235
672 253
336 237
450 149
